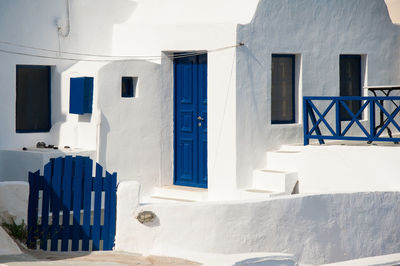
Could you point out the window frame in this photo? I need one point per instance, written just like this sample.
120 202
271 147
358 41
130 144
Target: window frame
292 121
49 99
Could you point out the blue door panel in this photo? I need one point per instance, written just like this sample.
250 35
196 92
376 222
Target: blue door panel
190 121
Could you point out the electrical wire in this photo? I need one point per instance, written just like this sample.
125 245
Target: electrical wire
120 57
97 60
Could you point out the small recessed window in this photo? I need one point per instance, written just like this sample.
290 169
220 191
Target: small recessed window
128 87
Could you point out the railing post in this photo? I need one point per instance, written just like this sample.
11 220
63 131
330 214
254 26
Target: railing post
338 121
372 119
305 122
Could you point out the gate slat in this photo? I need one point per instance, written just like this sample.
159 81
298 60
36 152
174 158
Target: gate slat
77 197
97 187
33 209
45 205
66 202
105 232
56 199
87 196
113 205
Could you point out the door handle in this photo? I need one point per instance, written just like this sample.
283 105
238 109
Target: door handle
200 118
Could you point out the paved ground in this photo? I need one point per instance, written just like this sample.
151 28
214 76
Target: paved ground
90 259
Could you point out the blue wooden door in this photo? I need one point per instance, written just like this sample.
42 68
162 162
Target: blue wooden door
190 120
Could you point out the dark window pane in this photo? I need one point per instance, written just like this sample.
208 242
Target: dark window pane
33 99
350 83
282 89
128 87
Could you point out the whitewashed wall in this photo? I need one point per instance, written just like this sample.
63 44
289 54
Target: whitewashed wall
239 129
315 228
134 137
34 23
181 25
317 32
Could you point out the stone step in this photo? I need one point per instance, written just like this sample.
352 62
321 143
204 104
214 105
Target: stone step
283 160
273 180
292 147
180 193
252 193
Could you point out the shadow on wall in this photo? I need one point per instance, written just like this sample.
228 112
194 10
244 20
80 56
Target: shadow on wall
99 28
104 130
130 129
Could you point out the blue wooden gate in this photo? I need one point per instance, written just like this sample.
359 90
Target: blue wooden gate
71 209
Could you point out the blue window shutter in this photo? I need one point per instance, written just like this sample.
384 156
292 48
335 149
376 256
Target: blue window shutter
81 95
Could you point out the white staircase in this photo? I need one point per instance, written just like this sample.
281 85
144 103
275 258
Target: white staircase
279 177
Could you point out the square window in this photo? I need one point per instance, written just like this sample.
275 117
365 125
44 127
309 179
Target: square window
33 106
128 87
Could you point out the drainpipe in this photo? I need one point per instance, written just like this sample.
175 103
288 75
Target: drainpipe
59 27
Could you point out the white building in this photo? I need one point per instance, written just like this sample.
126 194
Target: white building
206 103
135 136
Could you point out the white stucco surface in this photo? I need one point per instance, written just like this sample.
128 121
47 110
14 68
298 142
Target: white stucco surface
134 137
340 166
14 201
315 228
7 244
16 164
317 32
127 202
351 168
386 260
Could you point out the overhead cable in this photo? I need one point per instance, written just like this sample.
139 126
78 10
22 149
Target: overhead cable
112 57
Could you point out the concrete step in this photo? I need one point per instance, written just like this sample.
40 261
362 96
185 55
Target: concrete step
180 193
292 147
283 160
252 193
273 180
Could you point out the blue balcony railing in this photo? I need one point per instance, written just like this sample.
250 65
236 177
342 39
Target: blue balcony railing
328 112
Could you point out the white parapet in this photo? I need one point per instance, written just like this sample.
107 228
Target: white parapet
128 193
317 229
